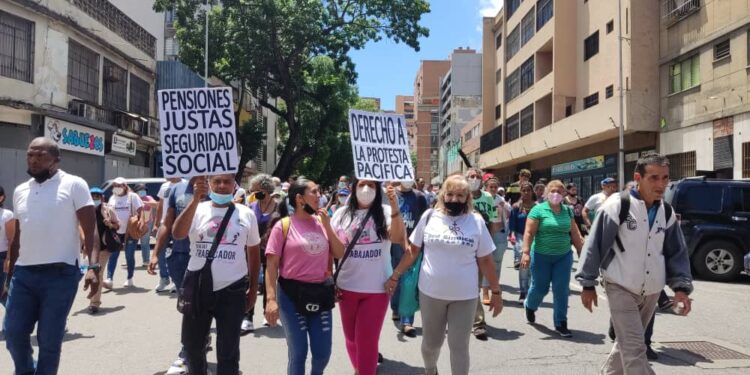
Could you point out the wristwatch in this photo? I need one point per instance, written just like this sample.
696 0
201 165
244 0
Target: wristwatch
95 267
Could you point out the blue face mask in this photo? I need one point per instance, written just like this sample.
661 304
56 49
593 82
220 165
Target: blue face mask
97 202
142 193
220 199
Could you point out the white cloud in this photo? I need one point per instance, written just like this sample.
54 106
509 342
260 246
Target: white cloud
489 8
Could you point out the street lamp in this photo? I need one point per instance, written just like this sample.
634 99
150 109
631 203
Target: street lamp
621 128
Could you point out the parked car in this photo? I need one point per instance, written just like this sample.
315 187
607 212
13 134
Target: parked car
152 185
714 215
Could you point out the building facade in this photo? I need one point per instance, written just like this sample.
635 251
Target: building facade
405 106
427 117
83 74
470 134
551 94
460 102
705 106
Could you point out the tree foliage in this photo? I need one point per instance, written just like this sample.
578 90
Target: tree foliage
272 46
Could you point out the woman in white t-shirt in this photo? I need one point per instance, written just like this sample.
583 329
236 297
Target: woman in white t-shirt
7 231
457 245
364 271
126 204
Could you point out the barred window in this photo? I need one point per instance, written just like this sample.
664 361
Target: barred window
83 72
115 86
139 96
591 100
16 47
681 165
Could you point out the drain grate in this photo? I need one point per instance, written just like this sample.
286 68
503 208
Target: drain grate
706 350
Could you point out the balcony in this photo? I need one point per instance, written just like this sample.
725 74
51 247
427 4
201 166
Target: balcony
145 127
674 11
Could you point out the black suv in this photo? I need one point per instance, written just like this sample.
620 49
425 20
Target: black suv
715 218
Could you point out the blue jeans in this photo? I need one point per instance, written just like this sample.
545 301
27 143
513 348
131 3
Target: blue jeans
130 247
298 328
397 252
177 264
146 244
500 240
163 268
41 296
524 278
3 255
546 269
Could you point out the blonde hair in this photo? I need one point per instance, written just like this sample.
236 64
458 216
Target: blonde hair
452 183
553 184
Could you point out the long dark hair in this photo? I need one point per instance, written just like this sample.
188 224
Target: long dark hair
376 209
2 194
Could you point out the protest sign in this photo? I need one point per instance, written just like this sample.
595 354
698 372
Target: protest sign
198 134
380 146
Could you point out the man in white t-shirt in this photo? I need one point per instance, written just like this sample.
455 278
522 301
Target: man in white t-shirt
126 204
161 213
609 187
235 267
43 264
7 230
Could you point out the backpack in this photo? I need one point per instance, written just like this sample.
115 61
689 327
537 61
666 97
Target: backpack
625 210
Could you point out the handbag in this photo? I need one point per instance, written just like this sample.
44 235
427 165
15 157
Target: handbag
111 240
196 291
136 228
408 299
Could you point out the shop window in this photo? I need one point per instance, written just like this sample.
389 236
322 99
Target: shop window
544 12
16 47
83 72
685 74
591 46
681 165
115 86
591 100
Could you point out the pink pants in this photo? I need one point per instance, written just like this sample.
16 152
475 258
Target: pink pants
362 315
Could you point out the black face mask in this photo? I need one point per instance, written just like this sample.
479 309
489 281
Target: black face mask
41 176
308 209
455 208
260 195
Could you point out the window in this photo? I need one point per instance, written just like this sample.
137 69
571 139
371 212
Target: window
511 128
746 160
591 100
610 26
681 165
568 110
721 50
139 96
591 46
498 76
512 44
527 27
16 47
498 111
741 199
609 91
685 74
701 199
512 7
544 12
512 86
83 72
527 74
115 86
498 41
527 120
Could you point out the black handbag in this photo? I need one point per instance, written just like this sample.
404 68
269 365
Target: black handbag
196 292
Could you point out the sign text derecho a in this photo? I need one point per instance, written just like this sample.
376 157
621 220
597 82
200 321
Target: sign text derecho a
380 146
198 134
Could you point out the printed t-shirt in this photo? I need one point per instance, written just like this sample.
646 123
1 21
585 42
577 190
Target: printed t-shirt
553 233
5 216
369 263
412 205
452 245
180 196
230 263
305 256
486 207
125 207
47 218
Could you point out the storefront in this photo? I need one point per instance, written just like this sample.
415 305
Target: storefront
81 148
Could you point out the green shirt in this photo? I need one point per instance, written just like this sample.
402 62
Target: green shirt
485 205
553 233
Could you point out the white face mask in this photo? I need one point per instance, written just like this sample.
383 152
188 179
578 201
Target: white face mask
342 200
342 185
365 195
475 184
118 190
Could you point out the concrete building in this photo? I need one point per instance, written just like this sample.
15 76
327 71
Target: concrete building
460 101
551 88
427 116
376 101
405 106
705 106
82 73
470 134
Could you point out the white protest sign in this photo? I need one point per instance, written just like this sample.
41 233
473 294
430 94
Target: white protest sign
380 146
198 134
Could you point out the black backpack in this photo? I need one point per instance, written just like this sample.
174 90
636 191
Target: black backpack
625 210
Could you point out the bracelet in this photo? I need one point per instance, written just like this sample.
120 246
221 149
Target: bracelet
397 272
393 216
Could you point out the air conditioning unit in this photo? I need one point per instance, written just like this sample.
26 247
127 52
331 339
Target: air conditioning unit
82 109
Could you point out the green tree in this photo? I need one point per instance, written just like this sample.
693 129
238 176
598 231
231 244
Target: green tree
271 45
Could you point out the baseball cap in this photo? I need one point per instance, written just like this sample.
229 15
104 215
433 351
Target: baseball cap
96 190
501 189
119 181
608 180
487 176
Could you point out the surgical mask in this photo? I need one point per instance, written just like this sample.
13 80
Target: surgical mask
342 200
455 208
407 185
475 184
555 198
41 176
141 193
97 202
309 209
118 190
365 195
342 185
259 195
220 199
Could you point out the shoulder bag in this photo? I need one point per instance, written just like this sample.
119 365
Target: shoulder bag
136 226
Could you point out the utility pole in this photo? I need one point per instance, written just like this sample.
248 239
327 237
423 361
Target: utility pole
621 127
205 57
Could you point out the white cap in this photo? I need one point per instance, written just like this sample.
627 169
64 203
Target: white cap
119 181
501 189
285 186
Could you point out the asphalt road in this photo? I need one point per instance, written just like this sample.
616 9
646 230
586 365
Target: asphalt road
137 332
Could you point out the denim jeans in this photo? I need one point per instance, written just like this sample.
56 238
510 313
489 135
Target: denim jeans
500 240
397 252
177 264
228 309
146 244
524 278
41 296
163 268
130 247
298 329
554 269
3 255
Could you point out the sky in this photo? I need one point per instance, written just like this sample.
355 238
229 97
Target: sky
387 69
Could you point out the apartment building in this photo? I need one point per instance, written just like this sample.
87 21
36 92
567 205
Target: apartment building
460 101
705 106
81 73
427 116
551 88
470 134
405 106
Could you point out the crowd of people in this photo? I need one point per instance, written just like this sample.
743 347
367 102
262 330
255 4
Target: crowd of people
368 247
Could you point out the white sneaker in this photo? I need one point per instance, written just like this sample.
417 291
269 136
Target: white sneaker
107 284
265 323
247 327
163 286
178 367
128 283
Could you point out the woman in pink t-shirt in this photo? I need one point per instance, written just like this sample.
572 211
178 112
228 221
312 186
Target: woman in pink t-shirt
299 260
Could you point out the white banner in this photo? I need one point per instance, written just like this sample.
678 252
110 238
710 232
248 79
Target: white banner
380 146
198 135
72 137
